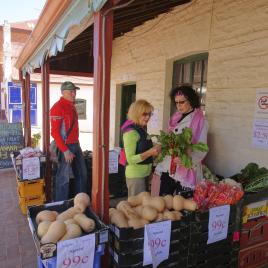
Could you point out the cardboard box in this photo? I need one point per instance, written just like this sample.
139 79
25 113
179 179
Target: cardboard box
254 210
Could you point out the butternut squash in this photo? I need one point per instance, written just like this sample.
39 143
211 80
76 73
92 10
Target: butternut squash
160 217
168 215
138 210
82 201
134 201
178 202
68 214
55 232
156 202
118 218
42 228
72 231
178 215
45 215
189 204
70 221
143 194
168 201
149 213
87 224
125 207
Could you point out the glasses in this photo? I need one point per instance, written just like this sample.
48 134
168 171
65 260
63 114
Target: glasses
147 114
180 102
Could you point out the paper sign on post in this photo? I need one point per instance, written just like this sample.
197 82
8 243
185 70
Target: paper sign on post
218 223
156 242
113 162
30 168
76 253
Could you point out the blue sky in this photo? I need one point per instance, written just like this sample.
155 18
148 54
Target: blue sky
20 10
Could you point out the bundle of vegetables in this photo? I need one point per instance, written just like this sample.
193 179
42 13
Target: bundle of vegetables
143 208
208 175
54 227
208 194
252 177
178 145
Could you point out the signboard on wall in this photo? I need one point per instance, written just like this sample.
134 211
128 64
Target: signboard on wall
81 108
15 102
260 122
11 140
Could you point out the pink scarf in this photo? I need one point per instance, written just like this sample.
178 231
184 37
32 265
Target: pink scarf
188 176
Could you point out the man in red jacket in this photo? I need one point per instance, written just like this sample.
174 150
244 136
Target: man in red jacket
65 131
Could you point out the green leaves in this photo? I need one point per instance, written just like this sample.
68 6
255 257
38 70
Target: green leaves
178 145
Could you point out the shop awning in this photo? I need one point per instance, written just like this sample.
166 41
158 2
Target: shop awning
56 20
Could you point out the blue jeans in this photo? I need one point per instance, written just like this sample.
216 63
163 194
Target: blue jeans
62 178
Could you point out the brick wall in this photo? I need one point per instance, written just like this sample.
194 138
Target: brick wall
235 35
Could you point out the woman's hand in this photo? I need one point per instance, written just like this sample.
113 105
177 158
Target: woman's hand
155 150
177 160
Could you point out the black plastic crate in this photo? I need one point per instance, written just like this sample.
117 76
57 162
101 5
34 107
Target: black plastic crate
124 246
49 250
220 261
255 197
131 233
136 259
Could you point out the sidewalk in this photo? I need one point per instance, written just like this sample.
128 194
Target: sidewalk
17 249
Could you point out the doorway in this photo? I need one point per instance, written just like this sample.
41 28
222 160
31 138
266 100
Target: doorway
128 96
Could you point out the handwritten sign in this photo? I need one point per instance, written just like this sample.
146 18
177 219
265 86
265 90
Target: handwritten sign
11 140
260 133
113 162
30 168
76 253
218 223
156 242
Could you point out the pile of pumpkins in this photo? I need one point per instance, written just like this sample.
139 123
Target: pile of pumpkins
53 226
142 209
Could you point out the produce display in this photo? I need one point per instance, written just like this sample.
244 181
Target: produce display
178 145
142 209
253 178
208 194
71 223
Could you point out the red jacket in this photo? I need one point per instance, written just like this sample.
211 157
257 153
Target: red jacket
62 114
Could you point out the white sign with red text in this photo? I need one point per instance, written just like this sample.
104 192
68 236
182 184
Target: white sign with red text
30 168
261 107
156 242
218 223
76 253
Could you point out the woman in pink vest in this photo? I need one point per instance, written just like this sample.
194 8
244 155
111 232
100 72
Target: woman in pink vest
188 114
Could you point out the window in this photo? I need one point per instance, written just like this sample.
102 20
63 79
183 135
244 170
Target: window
192 70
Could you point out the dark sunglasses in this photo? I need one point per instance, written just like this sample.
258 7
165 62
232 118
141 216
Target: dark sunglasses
180 102
147 114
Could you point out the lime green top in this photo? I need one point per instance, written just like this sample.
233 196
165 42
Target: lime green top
133 169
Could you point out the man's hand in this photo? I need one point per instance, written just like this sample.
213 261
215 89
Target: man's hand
69 156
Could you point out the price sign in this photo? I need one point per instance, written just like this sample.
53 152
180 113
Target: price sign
218 223
156 242
76 253
30 168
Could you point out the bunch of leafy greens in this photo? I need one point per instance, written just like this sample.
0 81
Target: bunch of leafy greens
177 145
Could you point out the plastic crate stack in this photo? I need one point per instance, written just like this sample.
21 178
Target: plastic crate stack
31 192
126 246
220 254
254 231
47 253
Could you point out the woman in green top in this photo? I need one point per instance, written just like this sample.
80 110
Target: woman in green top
138 146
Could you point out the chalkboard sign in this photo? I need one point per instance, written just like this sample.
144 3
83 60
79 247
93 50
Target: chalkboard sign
11 140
